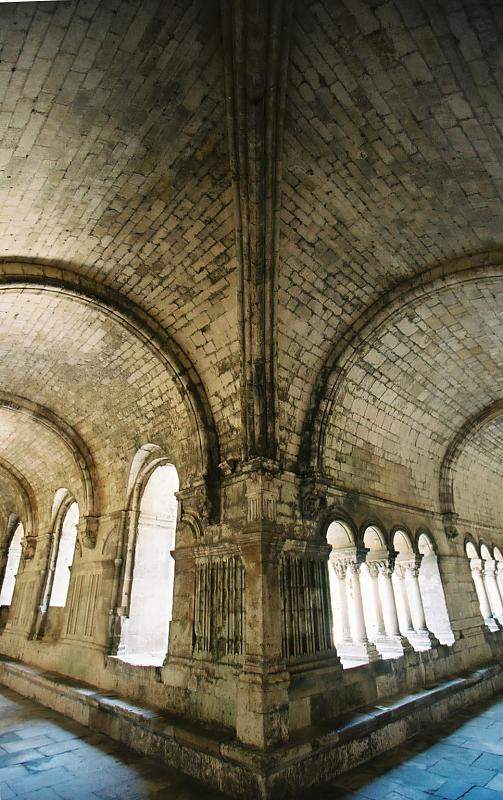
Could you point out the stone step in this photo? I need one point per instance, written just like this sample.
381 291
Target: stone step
313 756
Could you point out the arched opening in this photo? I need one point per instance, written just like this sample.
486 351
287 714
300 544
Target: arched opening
349 628
375 542
12 566
408 593
480 582
64 559
491 583
145 630
498 558
432 592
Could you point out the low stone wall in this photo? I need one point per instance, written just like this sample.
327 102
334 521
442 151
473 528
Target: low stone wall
215 757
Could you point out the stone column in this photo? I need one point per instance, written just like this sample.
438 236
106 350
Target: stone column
477 568
355 603
499 576
339 569
359 649
402 601
375 597
492 590
393 644
415 599
421 638
387 596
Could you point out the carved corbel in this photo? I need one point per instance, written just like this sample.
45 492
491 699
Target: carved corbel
313 500
450 521
28 547
87 531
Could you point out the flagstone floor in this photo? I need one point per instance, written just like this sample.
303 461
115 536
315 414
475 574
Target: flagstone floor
44 756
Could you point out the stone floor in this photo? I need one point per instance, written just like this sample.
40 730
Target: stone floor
44 756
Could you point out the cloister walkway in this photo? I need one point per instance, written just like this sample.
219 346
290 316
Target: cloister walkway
44 756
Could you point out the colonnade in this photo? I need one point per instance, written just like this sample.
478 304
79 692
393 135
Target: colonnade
487 574
393 618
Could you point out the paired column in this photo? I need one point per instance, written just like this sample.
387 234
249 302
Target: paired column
492 590
477 568
390 643
499 576
413 610
342 633
354 647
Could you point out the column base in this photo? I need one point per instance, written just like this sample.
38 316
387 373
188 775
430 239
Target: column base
422 640
492 624
359 653
392 646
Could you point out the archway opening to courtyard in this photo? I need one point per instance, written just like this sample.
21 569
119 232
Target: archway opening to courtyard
145 629
67 538
12 566
432 592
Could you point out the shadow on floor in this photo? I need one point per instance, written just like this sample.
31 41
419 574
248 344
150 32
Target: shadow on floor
44 756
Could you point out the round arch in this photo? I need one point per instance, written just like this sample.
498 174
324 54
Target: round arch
336 514
471 547
28 511
148 575
373 536
63 551
12 564
424 542
403 542
346 351
339 534
22 275
68 436
455 449
486 551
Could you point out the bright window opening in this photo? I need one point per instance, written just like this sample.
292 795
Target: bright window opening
13 559
64 559
145 631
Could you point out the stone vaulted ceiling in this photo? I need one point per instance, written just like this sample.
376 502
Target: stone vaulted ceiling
122 161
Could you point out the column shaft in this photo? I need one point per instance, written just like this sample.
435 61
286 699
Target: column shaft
388 603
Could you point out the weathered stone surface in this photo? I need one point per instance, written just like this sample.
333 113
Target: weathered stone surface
257 245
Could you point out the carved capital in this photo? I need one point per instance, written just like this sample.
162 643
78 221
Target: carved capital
340 568
385 568
489 567
477 565
373 568
410 566
196 509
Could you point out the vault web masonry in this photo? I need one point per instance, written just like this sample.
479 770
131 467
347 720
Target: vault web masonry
251 387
